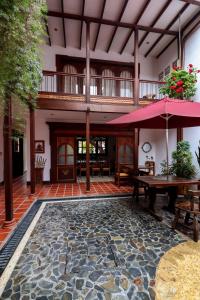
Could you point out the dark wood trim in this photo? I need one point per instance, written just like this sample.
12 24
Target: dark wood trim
163 9
115 29
99 26
141 12
136 69
135 147
47 30
32 150
191 31
87 89
87 151
109 22
167 28
191 21
194 2
8 180
81 31
179 134
166 47
63 24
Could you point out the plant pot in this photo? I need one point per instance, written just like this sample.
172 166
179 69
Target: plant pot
39 175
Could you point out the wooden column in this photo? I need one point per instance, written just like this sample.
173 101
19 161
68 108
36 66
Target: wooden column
136 96
87 96
180 57
8 180
179 134
32 150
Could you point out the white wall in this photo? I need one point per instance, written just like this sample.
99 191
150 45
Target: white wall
167 58
192 50
147 65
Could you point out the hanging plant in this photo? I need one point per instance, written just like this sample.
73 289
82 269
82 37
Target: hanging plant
22 32
181 83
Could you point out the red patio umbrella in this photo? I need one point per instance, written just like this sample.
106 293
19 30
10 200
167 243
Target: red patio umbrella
166 113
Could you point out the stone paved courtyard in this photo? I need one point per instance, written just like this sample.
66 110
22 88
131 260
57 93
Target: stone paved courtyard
91 250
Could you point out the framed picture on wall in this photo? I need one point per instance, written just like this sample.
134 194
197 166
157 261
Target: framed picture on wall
161 76
167 70
39 147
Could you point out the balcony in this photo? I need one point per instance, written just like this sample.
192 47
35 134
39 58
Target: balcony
103 89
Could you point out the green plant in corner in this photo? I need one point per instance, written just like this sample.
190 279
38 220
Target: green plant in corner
182 161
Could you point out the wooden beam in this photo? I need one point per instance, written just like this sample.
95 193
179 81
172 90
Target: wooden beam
163 9
87 151
136 22
179 134
193 19
191 30
63 24
167 28
32 150
81 31
47 30
8 179
87 96
194 2
99 25
115 29
109 22
135 147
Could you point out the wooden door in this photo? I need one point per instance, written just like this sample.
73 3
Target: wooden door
124 152
66 162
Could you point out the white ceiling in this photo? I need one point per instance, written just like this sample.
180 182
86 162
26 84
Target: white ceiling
112 11
74 116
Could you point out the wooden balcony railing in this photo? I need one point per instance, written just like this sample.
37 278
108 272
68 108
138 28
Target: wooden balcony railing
100 87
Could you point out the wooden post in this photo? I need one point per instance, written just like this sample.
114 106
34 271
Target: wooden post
8 176
87 95
87 151
179 134
180 57
136 96
32 149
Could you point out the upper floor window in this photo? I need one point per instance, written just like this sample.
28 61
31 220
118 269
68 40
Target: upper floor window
126 86
108 85
93 82
70 82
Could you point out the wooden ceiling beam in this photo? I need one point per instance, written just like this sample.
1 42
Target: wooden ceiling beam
155 21
136 22
194 2
99 25
167 28
109 22
63 24
193 19
115 29
81 31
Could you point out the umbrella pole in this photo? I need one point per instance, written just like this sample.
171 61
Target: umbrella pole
167 145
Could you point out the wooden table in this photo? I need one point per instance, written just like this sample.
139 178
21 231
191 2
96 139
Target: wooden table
157 183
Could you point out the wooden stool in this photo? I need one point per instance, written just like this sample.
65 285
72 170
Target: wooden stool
191 207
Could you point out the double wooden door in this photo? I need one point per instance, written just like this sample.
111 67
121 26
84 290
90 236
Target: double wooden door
66 161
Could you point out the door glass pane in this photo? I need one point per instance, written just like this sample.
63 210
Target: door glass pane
61 160
129 154
61 149
70 150
70 160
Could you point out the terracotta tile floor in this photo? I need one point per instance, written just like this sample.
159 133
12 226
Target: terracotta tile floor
23 199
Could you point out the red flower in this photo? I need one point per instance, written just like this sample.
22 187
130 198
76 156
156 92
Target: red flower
190 71
198 71
174 78
179 83
172 87
180 90
175 68
190 65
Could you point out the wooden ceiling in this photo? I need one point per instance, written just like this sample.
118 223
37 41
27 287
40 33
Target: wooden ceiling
113 23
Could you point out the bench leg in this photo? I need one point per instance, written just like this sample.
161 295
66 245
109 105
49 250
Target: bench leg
176 218
195 228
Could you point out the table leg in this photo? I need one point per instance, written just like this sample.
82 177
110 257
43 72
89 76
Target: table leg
172 192
151 208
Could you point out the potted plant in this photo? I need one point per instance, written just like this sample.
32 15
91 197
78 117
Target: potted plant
39 168
180 83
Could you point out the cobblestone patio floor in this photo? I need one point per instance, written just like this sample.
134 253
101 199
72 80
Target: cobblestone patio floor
91 250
